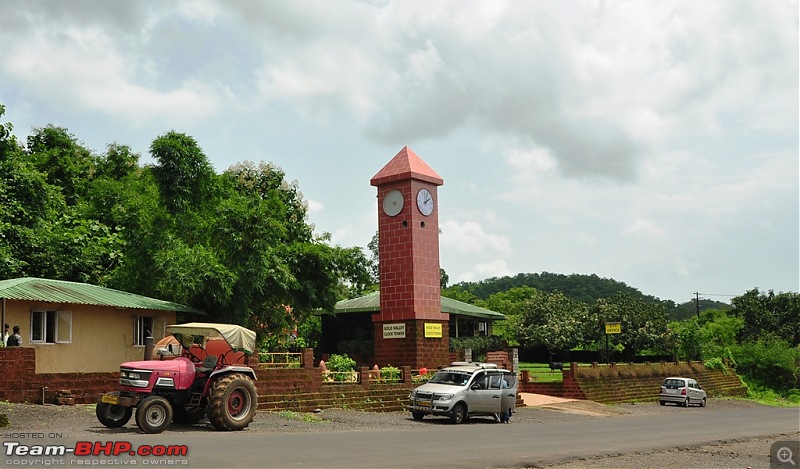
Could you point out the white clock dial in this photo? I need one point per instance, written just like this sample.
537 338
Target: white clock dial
393 202
425 202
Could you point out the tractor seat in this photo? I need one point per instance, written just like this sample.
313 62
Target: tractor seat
209 363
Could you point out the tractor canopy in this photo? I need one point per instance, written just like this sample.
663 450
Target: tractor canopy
239 338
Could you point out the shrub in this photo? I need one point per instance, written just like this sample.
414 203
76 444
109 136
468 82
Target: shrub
390 373
772 363
341 368
715 364
341 363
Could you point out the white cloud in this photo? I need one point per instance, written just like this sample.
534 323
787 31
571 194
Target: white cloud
643 227
578 134
315 206
84 69
469 237
497 268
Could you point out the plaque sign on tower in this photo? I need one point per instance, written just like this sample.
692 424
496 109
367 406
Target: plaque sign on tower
408 251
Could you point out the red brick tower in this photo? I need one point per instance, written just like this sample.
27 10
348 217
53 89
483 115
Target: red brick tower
410 329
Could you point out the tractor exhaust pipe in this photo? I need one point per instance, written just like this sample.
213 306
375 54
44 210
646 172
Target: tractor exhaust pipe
149 345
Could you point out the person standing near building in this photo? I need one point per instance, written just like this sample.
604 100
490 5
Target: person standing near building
6 335
15 340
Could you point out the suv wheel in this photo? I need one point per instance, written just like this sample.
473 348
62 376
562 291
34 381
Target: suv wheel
458 414
417 415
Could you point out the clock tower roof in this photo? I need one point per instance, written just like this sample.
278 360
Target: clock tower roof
406 165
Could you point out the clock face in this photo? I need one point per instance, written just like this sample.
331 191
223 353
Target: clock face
425 202
392 202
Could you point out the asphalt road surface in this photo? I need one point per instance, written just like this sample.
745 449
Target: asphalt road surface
434 443
481 446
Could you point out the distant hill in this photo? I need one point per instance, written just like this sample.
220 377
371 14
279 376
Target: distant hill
581 287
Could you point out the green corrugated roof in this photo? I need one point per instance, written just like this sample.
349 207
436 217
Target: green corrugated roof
59 291
371 303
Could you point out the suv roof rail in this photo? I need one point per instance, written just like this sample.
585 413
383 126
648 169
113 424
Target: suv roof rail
479 364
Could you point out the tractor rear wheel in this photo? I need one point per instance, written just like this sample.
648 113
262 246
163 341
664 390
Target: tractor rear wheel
232 402
113 416
153 414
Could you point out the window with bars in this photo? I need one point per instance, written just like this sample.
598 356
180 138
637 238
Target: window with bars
148 326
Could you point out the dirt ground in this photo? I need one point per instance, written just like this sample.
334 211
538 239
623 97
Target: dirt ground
81 421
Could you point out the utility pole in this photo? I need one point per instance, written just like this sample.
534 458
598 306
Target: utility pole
697 303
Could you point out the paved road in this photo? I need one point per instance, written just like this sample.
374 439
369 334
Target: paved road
435 444
483 446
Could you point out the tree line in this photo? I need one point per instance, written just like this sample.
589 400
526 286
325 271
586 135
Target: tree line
236 245
758 332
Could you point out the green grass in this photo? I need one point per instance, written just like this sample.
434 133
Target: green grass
771 397
540 372
305 417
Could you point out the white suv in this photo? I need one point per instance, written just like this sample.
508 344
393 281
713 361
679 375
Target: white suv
464 389
682 391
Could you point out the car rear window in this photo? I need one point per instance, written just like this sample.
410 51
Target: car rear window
674 383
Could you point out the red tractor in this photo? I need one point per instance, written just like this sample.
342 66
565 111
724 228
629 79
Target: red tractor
207 378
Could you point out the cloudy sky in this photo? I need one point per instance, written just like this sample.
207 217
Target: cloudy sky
655 143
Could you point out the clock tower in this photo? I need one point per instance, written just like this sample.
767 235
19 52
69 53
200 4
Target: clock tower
410 329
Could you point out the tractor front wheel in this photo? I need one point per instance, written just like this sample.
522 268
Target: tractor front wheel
113 416
153 414
232 402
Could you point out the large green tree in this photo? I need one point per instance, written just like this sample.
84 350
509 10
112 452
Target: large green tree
644 324
551 320
246 255
768 315
237 245
45 230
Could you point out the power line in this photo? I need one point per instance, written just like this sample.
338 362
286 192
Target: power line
697 299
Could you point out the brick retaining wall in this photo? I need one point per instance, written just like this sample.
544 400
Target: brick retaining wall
632 382
303 390
299 389
19 381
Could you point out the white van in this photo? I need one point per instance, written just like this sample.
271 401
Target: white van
464 389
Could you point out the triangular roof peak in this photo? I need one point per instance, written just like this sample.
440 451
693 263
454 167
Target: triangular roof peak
406 165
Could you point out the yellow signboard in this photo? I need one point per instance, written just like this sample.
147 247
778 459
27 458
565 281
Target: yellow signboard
433 330
613 328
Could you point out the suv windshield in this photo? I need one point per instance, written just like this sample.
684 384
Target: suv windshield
457 378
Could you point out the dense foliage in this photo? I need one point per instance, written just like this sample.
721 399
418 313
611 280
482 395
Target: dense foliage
585 289
759 333
236 245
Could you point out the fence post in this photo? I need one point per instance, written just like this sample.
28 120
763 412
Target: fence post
364 371
308 358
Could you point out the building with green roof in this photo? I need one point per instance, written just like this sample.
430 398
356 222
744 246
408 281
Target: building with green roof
77 327
349 327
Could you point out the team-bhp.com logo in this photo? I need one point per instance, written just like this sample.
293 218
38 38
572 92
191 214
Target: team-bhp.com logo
94 448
